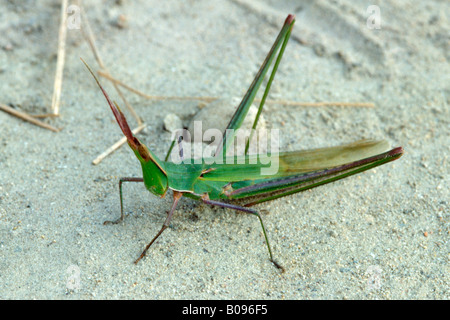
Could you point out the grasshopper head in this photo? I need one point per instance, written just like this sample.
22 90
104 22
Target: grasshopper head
155 177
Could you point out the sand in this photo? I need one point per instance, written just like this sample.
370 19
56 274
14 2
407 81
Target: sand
380 235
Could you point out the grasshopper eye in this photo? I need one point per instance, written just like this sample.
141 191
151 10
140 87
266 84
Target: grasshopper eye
143 152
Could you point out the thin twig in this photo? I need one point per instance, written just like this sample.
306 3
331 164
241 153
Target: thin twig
89 36
210 99
44 115
56 99
27 117
116 145
320 104
151 97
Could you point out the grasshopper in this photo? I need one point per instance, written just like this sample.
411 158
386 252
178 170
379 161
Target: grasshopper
217 184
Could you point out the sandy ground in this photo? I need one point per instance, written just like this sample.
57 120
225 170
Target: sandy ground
381 235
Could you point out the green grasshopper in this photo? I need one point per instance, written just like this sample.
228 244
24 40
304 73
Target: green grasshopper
218 183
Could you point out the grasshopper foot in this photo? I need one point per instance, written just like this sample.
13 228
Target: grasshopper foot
108 222
279 266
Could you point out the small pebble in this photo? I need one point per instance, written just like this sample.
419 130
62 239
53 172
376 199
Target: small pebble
172 122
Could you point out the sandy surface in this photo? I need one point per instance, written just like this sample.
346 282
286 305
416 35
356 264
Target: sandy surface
380 235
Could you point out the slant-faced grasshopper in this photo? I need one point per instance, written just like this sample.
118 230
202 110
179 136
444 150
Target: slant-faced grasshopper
216 183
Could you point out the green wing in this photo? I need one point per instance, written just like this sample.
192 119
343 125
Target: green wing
297 170
240 168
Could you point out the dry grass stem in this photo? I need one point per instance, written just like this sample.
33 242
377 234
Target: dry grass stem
56 99
27 117
116 145
210 99
89 36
